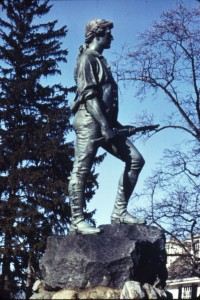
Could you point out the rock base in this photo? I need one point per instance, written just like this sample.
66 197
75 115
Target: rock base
123 262
131 290
119 254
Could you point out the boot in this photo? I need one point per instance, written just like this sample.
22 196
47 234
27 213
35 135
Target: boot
79 225
83 228
120 214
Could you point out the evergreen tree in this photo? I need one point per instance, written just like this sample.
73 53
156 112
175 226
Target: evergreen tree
35 159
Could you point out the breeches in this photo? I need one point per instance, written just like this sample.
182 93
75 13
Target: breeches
86 149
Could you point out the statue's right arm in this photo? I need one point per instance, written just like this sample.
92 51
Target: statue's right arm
94 108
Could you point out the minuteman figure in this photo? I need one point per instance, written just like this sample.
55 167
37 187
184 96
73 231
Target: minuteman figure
95 117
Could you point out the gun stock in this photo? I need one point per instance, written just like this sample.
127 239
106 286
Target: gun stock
128 131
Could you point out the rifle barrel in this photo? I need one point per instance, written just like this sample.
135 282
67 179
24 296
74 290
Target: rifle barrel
128 131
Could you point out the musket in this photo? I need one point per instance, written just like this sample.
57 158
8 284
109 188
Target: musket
131 130
128 131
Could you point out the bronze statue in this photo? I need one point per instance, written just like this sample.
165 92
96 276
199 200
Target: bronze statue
96 111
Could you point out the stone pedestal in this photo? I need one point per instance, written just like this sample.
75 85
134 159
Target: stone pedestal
120 254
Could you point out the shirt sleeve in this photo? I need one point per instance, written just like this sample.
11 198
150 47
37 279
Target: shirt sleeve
87 77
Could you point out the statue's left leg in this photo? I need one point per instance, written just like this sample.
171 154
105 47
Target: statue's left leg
134 162
85 151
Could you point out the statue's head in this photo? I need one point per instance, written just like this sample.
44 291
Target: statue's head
96 27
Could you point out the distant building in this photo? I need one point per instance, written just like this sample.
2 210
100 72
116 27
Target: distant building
186 288
180 283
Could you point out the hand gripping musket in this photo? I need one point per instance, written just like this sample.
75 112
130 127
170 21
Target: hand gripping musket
128 131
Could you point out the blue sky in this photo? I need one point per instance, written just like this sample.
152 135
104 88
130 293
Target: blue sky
129 17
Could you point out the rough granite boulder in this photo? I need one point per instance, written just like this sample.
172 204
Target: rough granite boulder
121 253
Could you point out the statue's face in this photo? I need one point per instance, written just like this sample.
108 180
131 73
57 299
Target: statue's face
105 40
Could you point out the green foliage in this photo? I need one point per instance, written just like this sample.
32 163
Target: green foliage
36 159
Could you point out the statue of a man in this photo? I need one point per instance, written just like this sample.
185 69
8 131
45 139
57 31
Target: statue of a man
95 117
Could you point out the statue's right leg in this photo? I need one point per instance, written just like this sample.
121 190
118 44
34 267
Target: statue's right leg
84 157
